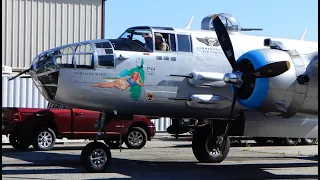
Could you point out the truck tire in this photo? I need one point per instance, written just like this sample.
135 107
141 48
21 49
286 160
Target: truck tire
291 141
17 143
44 139
136 138
308 141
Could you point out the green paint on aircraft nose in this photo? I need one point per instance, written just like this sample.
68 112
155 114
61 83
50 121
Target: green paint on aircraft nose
136 90
135 74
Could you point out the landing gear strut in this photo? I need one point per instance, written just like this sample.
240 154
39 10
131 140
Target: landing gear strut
207 146
96 156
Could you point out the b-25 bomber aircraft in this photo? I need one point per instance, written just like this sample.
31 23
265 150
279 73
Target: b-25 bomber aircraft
241 85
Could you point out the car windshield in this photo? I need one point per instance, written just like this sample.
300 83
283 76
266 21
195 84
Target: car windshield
142 37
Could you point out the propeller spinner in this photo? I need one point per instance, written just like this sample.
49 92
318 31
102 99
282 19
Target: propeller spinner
239 78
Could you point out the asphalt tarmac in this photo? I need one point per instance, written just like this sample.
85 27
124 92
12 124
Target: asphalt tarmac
164 158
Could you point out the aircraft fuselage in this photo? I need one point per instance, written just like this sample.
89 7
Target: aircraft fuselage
99 86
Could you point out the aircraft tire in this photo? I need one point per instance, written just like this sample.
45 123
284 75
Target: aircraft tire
95 150
202 140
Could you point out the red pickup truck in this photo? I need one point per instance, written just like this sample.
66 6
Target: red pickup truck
41 127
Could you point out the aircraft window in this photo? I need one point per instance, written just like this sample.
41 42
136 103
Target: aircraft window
105 53
184 43
67 50
140 37
84 48
105 57
65 60
46 63
84 60
103 45
165 39
128 45
106 60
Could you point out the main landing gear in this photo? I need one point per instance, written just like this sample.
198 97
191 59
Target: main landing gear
96 156
208 146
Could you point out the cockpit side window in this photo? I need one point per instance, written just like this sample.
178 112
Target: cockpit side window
165 41
184 43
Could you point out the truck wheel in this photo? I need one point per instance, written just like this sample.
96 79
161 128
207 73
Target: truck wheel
136 138
17 143
308 141
95 157
44 139
112 144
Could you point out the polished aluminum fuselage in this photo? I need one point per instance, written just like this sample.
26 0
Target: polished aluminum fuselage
75 84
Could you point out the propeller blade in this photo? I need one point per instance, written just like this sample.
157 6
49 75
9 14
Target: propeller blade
25 71
224 40
272 69
235 96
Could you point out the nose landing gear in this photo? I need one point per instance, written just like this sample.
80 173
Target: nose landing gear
207 146
96 156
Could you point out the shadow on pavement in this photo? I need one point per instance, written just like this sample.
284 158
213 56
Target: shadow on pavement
139 169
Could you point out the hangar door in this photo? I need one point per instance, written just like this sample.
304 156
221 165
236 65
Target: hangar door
30 27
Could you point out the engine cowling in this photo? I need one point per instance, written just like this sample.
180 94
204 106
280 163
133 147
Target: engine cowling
267 94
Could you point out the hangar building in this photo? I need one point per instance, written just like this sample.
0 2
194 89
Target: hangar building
30 27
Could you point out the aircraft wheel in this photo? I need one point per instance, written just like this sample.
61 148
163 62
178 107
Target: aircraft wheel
308 141
205 147
95 157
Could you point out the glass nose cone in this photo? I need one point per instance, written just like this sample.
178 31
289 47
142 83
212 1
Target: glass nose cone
45 74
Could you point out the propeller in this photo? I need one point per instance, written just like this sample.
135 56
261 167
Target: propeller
267 71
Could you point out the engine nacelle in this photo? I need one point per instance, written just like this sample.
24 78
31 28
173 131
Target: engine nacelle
268 94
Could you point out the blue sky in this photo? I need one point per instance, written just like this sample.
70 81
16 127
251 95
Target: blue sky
283 18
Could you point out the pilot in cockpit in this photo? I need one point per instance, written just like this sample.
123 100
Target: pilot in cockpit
160 45
148 38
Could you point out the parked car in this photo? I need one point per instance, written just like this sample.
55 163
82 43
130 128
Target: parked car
41 127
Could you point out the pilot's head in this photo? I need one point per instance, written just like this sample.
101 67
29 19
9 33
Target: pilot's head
147 37
158 38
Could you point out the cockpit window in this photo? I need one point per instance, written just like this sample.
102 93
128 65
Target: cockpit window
141 37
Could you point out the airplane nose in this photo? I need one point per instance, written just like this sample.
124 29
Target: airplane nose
48 66
45 74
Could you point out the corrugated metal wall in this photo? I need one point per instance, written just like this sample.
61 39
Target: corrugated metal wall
22 92
30 27
161 124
